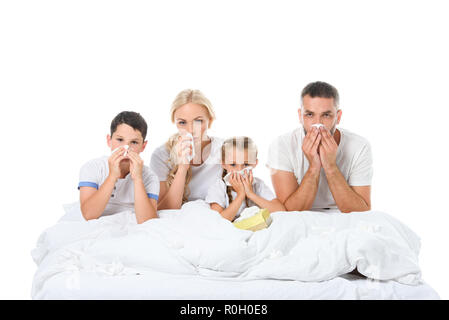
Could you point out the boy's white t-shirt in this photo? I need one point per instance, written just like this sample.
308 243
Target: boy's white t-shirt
217 194
354 159
203 176
94 173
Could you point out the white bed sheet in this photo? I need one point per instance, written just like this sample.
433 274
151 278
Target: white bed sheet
88 286
84 282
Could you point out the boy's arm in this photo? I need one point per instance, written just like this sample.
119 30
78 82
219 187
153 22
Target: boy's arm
93 201
144 207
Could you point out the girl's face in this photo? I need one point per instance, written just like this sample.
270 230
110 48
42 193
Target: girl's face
194 119
237 159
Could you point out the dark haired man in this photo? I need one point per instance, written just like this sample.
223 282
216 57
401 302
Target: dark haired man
319 166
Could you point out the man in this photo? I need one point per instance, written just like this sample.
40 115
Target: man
321 167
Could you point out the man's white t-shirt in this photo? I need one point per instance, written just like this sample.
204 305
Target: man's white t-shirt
354 159
217 194
203 176
94 173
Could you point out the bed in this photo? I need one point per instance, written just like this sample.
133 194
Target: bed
193 253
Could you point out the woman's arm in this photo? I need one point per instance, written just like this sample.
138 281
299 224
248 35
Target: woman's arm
171 197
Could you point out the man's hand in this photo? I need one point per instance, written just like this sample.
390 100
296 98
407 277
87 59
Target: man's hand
328 150
310 147
114 163
135 166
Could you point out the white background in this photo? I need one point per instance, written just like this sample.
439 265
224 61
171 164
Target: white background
68 67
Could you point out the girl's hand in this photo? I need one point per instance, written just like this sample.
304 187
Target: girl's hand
247 180
237 183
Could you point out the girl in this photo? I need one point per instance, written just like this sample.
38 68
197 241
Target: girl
244 191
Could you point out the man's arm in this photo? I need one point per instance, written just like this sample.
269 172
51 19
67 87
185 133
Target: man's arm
296 197
348 198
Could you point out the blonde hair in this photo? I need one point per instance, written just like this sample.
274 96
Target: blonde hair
191 96
242 143
183 98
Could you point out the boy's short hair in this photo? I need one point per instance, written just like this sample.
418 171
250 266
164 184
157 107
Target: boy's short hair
132 119
321 89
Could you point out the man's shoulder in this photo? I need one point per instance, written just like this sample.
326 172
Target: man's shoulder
290 138
353 140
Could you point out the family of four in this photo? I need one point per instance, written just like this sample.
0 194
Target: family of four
314 167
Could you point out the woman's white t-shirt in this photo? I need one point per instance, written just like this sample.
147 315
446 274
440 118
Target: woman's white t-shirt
203 176
217 194
354 159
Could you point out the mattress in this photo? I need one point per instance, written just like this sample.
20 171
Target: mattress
86 286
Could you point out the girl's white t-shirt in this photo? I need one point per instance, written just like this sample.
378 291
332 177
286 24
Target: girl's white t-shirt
354 160
203 176
217 194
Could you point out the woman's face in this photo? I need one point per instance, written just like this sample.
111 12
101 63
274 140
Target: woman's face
194 119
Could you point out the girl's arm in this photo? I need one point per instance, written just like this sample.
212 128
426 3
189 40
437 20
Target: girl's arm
230 212
272 206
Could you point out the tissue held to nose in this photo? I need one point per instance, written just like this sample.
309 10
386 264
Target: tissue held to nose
126 149
241 172
318 125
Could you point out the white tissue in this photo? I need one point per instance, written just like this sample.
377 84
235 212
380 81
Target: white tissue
318 125
190 157
126 149
242 173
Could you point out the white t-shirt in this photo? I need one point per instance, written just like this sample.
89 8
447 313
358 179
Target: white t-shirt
217 194
94 173
203 176
354 159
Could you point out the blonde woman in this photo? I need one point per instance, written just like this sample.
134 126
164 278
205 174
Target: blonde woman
190 161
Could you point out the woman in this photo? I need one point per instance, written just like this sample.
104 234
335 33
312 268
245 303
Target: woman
189 162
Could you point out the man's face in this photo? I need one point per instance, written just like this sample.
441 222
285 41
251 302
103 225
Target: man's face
126 135
319 110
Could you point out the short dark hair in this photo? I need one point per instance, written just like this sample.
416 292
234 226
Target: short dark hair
132 119
321 90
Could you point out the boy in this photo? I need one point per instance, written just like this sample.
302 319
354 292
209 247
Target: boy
120 182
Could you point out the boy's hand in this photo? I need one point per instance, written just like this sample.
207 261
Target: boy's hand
247 180
114 163
237 183
135 165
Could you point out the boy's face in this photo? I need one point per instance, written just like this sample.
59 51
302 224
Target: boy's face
126 135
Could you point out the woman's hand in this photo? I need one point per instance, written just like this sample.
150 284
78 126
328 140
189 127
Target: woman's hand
184 150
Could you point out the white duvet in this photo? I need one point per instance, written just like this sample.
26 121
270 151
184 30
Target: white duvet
195 240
